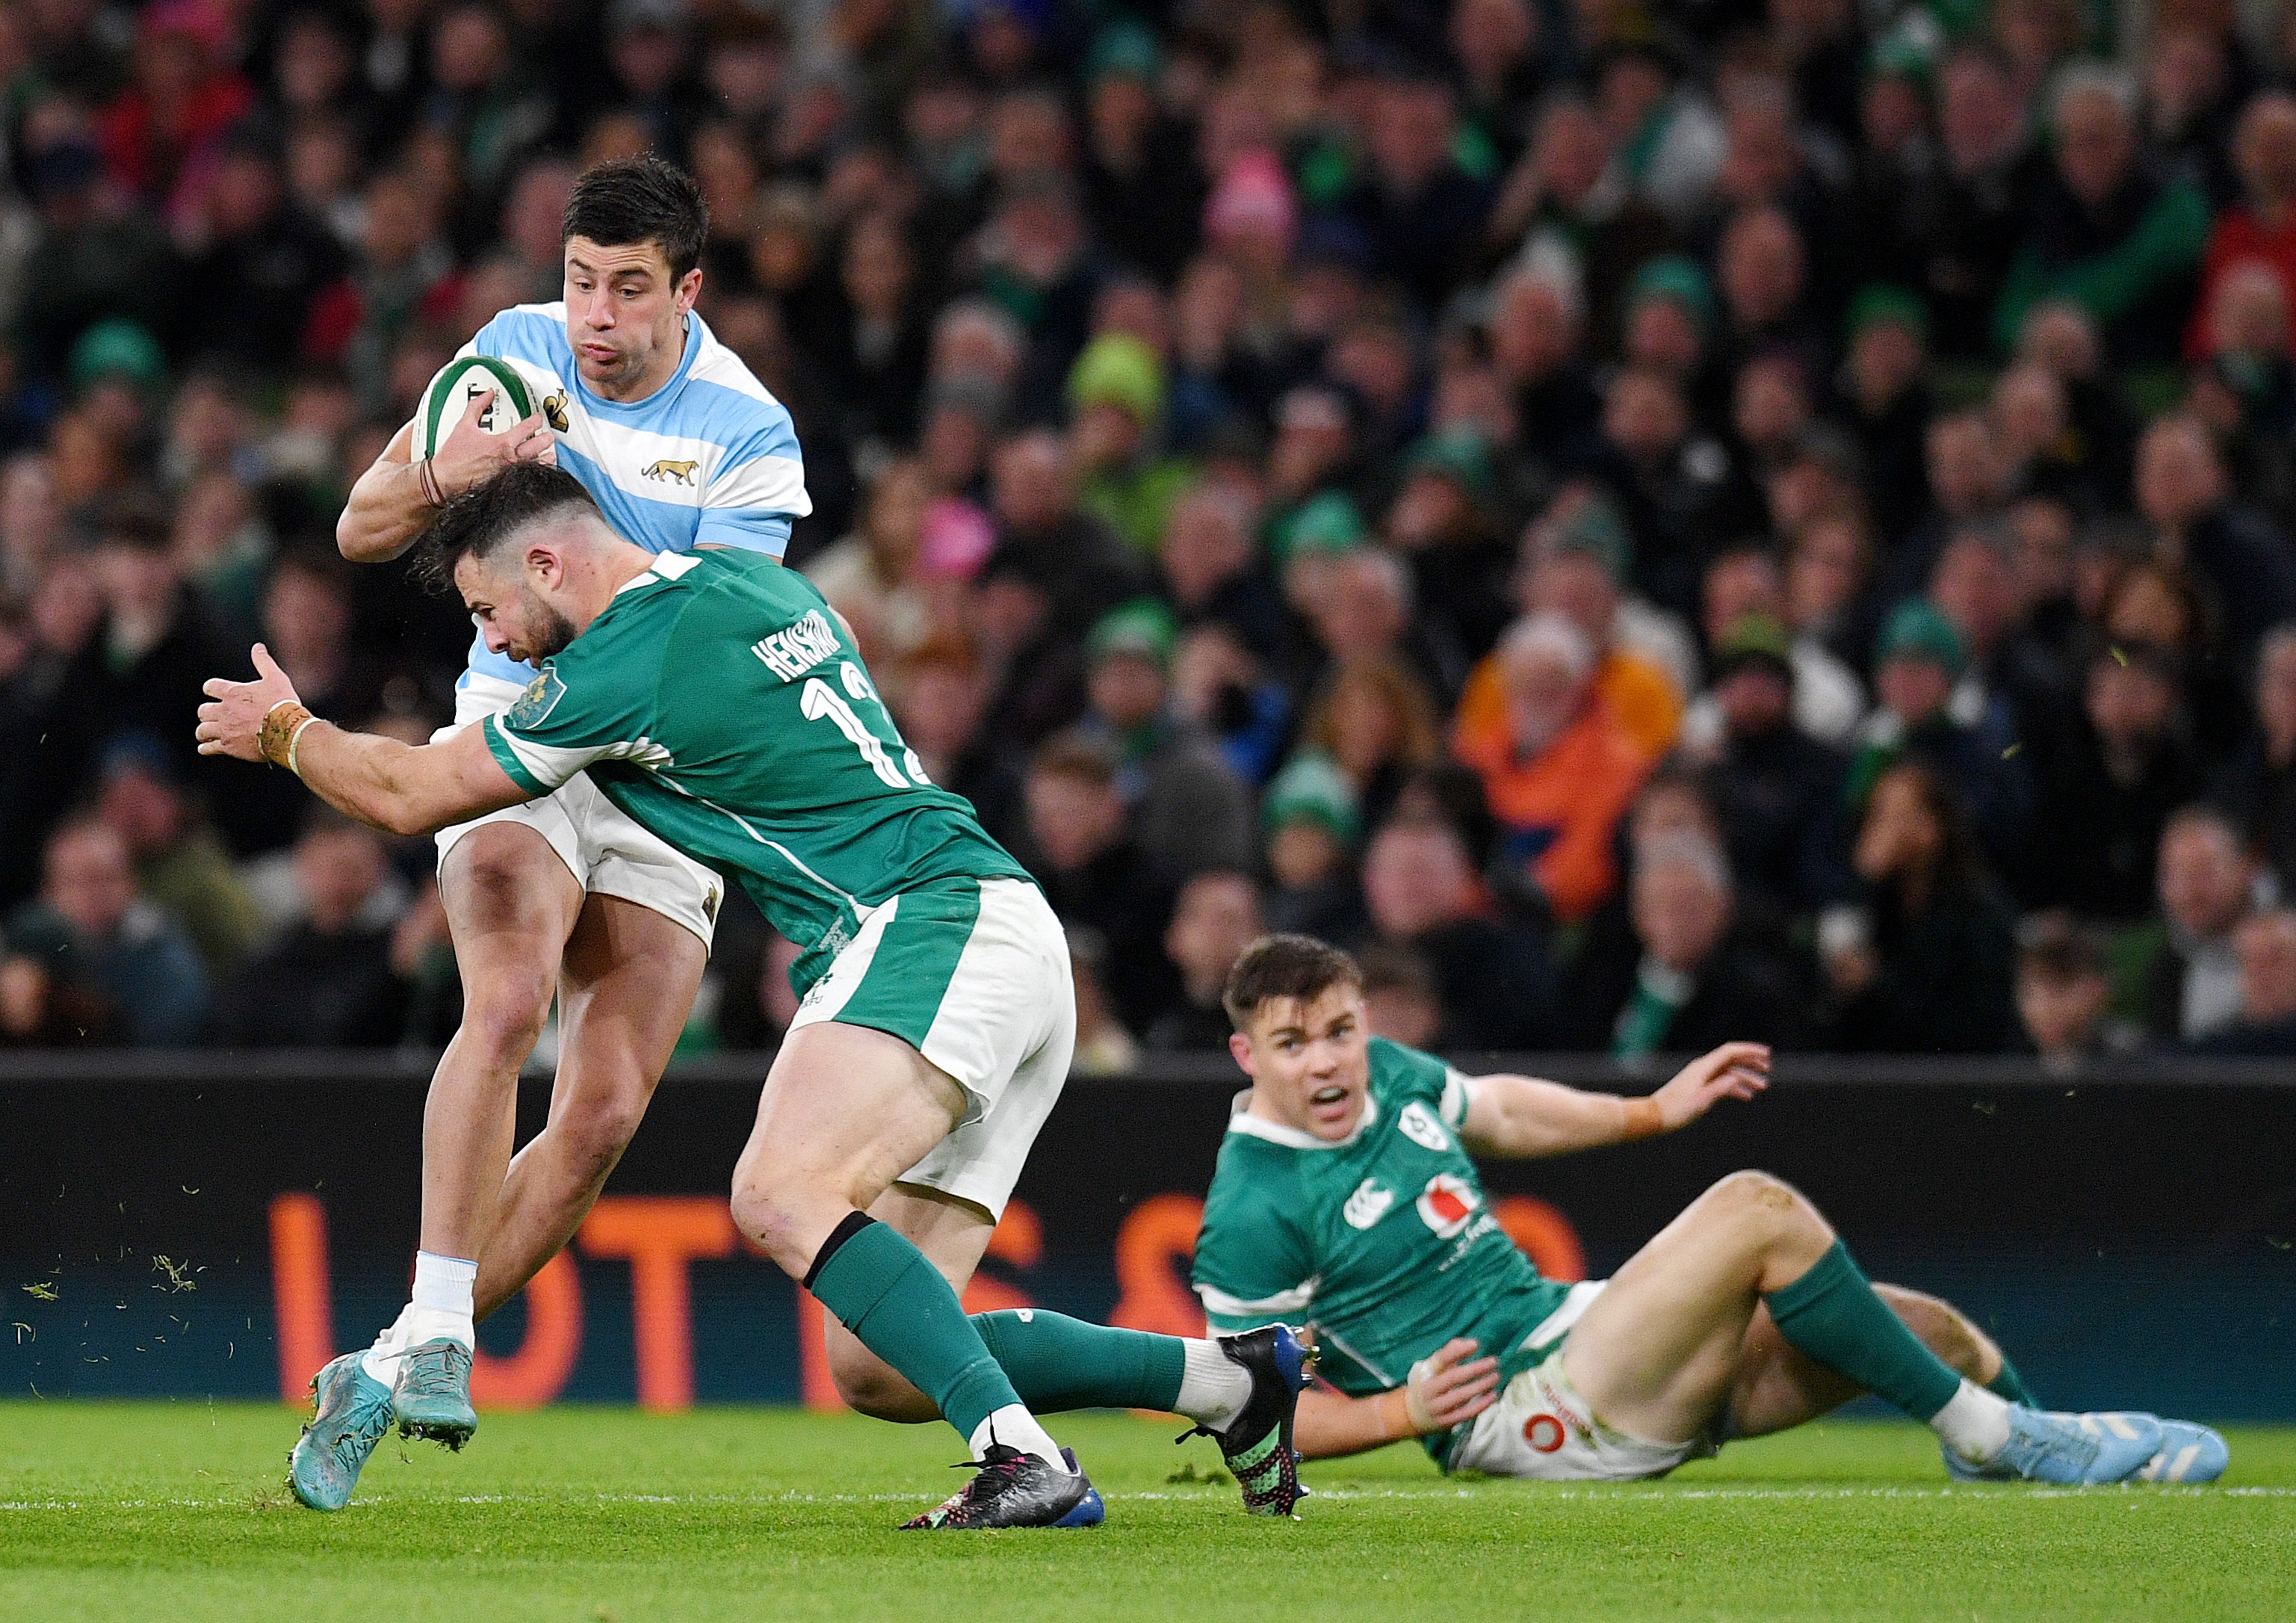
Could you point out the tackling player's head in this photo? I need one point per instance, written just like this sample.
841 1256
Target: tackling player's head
633 236
527 550
1298 1007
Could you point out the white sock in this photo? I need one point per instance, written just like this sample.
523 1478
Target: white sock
1014 1426
381 1361
441 1307
1214 1387
1974 1423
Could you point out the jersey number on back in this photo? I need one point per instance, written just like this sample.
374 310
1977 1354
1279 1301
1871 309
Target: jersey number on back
818 699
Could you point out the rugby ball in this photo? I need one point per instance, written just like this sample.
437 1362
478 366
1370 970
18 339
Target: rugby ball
520 390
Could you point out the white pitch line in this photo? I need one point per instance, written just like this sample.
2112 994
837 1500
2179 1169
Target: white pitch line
2004 1492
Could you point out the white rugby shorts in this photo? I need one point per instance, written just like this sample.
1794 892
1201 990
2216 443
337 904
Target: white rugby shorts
606 849
973 974
1542 1429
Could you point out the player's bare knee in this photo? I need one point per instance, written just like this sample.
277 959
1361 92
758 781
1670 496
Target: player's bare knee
1765 1205
779 1227
504 1008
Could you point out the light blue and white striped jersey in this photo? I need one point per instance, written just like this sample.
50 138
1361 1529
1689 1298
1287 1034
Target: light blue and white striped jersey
708 456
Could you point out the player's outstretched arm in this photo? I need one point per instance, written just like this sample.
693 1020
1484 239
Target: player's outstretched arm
394 500
1443 1389
401 788
1523 1116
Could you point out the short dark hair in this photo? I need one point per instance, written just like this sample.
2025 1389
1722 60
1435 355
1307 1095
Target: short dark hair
480 519
645 198
1284 966
1076 755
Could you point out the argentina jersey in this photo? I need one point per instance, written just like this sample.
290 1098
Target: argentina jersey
710 457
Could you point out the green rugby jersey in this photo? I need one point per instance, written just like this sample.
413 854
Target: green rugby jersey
1382 1240
720 702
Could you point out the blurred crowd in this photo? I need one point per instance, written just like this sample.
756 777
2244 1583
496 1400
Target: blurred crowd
1653 520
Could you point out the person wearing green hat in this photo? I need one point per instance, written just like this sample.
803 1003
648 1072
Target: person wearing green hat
1445 493
1183 806
1670 317
1303 541
1116 394
1919 661
1142 186
1311 823
1888 335
116 348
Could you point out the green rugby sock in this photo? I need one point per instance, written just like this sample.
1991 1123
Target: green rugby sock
1832 1314
2012 1385
1057 1362
882 1289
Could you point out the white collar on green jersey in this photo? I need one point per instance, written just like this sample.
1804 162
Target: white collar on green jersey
1241 1121
666 566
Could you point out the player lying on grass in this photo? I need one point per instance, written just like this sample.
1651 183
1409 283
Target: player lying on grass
1345 1196
713 697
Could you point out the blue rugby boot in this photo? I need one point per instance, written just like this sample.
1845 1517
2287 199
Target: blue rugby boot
2189 1453
2071 1449
1257 1444
433 1397
1090 1512
350 1413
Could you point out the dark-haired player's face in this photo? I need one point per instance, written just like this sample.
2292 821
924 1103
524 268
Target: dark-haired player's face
1307 1061
512 617
626 316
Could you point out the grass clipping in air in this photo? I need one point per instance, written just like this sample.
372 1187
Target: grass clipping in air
175 1511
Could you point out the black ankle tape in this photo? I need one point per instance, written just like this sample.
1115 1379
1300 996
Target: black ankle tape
854 1222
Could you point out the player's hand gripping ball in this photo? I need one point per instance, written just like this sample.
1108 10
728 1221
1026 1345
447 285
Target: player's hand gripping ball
481 413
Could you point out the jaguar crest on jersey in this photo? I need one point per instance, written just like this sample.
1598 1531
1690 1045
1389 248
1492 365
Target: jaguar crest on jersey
679 473
554 411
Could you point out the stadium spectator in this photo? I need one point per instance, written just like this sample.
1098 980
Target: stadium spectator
2265 944
2129 764
1103 1047
1312 822
1096 876
1557 769
1183 806
2257 784
1746 580
333 967
2243 559
1400 1000
871 578
1930 967
2064 991
2208 881
96 934
1375 721
1776 791
2106 229
180 865
1216 915
2260 228
1492 975
1919 659
1693 970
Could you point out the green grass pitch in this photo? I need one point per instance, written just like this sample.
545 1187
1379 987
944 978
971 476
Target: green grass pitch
174 1513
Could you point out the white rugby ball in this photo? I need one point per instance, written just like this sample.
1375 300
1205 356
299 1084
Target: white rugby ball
519 391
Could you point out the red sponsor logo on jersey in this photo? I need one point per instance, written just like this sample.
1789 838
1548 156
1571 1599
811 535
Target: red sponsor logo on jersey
1543 1432
1447 1203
